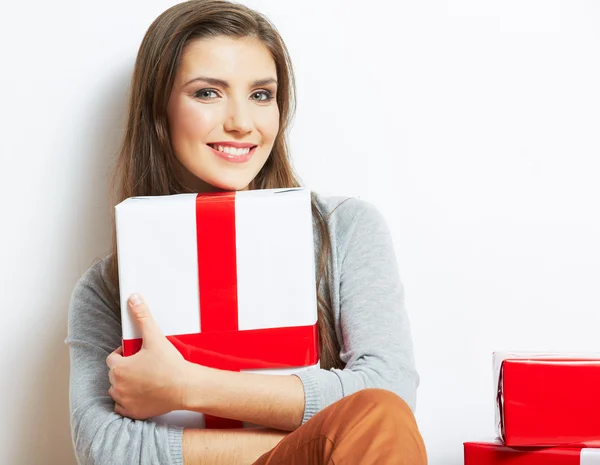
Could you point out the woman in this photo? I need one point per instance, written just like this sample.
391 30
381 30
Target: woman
211 98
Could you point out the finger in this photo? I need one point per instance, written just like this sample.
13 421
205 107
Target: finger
125 413
114 358
113 394
111 378
143 317
120 410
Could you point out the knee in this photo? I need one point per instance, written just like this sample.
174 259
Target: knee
379 402
384 420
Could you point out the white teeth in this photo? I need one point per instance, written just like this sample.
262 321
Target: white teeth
232 150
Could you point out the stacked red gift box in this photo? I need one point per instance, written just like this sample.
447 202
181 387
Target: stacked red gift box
547 411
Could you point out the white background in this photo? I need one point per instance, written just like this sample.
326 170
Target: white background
472 124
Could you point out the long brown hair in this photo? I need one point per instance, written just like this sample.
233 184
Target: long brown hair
146 165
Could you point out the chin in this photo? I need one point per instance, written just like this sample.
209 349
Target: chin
230 185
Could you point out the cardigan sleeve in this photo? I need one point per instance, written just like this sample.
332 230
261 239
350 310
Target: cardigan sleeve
101 436
376 342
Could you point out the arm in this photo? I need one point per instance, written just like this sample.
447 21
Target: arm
275 401
232 447
376 345
101 436
376 341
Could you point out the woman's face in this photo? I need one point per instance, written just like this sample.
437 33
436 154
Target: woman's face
222 112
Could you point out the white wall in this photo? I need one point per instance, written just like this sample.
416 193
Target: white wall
472 124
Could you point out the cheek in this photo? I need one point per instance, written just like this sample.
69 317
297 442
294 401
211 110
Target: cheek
190 122
268 123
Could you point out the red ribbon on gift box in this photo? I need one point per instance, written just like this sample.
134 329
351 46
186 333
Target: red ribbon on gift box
221 344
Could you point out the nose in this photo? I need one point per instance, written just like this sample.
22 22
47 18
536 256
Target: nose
239 118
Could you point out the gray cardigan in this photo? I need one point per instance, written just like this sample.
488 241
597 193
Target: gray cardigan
370 321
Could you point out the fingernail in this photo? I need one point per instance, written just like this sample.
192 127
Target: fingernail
135 299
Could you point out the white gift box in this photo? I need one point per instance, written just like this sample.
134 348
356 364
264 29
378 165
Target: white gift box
230 277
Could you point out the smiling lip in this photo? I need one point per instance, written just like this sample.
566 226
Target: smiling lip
237 145
235 158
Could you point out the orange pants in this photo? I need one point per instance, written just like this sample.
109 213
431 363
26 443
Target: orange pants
372 426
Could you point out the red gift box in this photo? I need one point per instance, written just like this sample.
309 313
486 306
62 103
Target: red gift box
548 399
496 453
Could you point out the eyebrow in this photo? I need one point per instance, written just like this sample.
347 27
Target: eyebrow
225 84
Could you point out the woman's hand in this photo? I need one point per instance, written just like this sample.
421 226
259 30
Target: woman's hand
153 381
